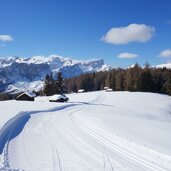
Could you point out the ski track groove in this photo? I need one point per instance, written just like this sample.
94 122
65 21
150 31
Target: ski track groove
116 148
101 139
109 161
55 151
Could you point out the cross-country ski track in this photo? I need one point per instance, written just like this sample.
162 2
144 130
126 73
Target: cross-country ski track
64 138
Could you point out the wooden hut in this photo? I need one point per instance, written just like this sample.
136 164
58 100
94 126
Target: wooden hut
26 96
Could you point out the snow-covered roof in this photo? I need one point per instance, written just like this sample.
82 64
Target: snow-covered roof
109 89
30 94
57 97
106 88
81 90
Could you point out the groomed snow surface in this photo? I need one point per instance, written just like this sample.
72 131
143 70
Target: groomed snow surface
97 131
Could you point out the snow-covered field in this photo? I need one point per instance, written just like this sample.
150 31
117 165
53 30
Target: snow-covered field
102 131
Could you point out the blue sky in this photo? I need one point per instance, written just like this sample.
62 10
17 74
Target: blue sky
121 32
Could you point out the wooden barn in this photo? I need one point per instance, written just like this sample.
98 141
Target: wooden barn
26 96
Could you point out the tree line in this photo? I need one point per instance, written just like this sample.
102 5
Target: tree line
146 79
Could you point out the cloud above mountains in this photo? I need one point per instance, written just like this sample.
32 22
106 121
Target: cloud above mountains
165 53
6 38
128 34
126 55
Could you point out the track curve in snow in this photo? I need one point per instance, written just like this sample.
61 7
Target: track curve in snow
61 139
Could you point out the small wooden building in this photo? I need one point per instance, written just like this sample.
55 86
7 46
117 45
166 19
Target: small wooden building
26 96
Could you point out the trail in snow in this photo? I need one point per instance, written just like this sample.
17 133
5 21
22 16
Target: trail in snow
62 139
121 150
15 126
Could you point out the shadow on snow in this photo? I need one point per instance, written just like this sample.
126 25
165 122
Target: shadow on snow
15 125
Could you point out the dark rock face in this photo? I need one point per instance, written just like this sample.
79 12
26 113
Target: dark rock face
24 72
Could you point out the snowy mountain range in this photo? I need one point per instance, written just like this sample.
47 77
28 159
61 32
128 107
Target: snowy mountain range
21 74
167 65
28 73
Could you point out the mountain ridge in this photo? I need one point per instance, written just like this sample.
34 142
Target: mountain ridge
29 73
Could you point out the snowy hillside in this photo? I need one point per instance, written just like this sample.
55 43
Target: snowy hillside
18 72
97 131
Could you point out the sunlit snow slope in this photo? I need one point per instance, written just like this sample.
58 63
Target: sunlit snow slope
103 131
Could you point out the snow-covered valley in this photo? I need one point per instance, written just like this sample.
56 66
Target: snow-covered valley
120 131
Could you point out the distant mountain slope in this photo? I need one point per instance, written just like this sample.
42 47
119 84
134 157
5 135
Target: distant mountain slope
168 66
26 73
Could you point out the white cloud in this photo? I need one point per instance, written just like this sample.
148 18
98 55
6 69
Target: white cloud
6 38
126 55
165 53
130 33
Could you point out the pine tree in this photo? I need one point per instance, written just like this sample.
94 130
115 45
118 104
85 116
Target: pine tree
146 81
47 86
167 85
119 80
132 78
59 84
52 86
